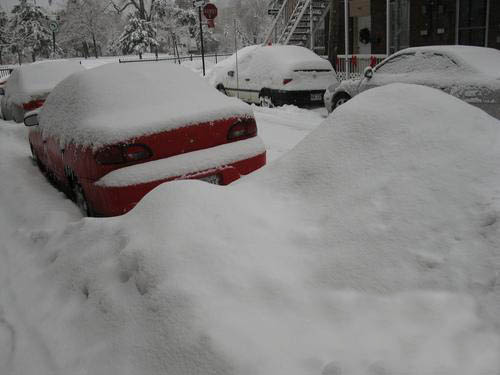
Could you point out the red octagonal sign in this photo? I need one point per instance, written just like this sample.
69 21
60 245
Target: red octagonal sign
210 11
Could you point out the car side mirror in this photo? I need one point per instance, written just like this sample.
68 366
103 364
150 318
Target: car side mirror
368 73
31 120
2 91
230 73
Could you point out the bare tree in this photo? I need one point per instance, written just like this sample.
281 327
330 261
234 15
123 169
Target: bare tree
86 20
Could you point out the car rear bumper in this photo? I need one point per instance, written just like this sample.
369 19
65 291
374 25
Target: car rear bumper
298 98
119 191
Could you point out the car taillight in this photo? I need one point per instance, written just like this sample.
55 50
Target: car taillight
243 128
287 80
34 104
123 154
136 152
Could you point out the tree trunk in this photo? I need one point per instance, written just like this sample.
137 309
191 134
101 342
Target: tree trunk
1 59
142 10
333 34
85 49
140 55
33 56
95 46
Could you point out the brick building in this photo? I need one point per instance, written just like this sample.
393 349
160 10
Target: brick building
415 23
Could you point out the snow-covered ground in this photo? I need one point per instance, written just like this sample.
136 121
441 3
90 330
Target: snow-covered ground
372 247
34 217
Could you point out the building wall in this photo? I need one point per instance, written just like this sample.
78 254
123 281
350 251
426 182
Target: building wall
432 22
494 29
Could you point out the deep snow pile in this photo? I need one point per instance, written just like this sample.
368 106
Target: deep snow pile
115 102
38 79
373 247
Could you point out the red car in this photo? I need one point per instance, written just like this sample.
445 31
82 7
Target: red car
111 134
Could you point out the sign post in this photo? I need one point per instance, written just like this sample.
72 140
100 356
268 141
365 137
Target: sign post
54 27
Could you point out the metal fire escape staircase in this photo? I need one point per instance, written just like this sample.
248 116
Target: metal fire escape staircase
296 21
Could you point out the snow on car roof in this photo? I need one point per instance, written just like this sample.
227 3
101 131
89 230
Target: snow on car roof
116 102
38 78
483 60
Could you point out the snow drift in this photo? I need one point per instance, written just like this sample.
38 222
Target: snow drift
370 248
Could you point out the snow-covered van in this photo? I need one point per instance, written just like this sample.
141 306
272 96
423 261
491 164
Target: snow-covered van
111 134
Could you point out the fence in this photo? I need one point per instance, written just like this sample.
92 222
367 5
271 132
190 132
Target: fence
179 59
357 65
5 71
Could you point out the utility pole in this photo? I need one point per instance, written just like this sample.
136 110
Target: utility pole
333 35
201 38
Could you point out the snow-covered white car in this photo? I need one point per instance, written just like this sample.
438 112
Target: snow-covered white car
274 75
109 135
29 85
468 73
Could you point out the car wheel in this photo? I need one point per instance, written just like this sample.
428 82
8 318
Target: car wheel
221 88
6 112
266 101
80 199
339 99
17 113
36 160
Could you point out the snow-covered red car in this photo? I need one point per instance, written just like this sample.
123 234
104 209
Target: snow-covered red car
468 73
274 75
29 85
111 134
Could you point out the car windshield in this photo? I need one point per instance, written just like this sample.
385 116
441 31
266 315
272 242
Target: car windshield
483 60
417 62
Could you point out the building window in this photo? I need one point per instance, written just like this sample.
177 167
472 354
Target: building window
472 22
400 24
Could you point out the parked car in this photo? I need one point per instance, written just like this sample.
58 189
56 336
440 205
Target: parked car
3 81
274 75
469 73
109 135
29 85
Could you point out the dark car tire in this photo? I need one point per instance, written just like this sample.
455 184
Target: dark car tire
265 99
339 99
17 114
78 196
36 160
6 112
221 88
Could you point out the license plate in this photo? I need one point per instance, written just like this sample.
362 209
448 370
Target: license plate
212 179
316 97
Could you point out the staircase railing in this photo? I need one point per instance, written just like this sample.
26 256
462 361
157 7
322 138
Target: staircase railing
281 21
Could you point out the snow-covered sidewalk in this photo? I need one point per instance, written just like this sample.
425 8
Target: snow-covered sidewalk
32 215
372 247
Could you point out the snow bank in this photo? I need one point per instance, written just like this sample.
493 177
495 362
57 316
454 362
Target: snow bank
371 248
38 79
116 102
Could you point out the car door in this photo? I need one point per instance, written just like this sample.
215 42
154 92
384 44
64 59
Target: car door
238 77
394 69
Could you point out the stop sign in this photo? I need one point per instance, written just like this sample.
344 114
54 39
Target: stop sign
210 11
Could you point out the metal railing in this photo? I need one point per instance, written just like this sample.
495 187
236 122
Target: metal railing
357 64
216 57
